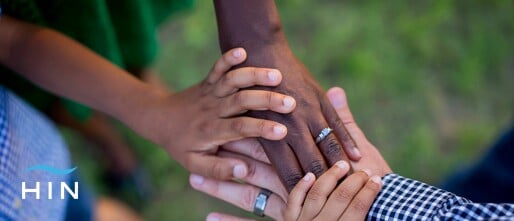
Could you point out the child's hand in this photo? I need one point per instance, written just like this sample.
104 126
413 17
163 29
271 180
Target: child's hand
192 124
323 199
327 200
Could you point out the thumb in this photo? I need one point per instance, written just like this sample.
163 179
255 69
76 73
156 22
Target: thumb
217 168
337 98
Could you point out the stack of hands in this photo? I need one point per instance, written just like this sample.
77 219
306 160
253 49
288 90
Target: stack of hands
229 163
268 140
294 153
241 130
281 148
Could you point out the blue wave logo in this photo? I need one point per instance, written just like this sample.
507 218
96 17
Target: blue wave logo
51 169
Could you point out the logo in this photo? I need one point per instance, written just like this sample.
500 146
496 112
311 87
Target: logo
64 188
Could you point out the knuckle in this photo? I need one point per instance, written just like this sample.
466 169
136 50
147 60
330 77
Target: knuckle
215 68
262 126
257 152
217 170
373 187
360 205
315 194
342 195
237 125
204 127
219 65
239 97
248 198
291 180
345 137
331 147
254 74
268 96
317 167
337 120
228 79
361 176
252 170
208 103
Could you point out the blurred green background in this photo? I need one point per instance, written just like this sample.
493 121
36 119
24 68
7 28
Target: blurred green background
431 83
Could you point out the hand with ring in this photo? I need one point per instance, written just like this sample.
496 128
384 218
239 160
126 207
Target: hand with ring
261 174
322 199
255 25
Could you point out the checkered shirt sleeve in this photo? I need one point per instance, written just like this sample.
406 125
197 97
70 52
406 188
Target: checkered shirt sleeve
28 138
406 199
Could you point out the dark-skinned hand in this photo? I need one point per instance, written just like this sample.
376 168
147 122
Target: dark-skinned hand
255 25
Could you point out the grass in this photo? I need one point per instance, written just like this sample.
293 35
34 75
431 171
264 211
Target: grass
430 82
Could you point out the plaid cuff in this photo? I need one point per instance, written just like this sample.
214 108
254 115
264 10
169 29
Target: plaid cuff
406 199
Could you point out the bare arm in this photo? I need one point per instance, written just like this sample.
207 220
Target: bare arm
255 25
190 125
66 68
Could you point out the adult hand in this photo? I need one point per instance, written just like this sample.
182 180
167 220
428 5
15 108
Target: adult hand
311 199
298 152
262 175
192 124
371 157
255 25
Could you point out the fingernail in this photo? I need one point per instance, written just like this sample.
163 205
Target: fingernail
356 152
368 172
308 176
376 179
279 129
342 165
213 218
197 180
237 53
288 102
273 75
239 171
337 100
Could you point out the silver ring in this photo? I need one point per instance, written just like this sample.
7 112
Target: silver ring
261 201
323 134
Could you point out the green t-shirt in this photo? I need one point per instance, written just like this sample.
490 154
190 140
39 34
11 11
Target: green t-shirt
123 32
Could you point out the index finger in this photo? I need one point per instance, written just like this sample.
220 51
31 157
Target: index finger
224 64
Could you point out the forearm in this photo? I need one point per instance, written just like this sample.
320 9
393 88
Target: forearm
64 67
254 25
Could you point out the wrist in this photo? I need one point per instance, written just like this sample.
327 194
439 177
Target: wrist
252 24
140 105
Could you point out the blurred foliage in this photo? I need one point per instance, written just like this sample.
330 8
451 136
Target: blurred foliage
429 82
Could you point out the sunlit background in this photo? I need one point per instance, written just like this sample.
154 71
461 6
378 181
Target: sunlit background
431 83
